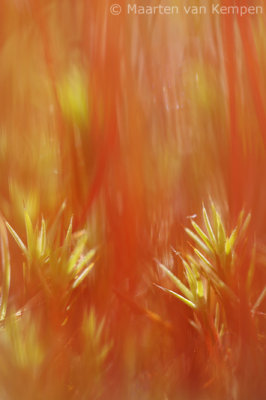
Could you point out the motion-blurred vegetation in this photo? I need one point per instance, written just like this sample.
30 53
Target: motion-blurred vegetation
132 203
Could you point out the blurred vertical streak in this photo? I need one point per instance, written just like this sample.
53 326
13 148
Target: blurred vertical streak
254 72
243 167
105 74
230 54
255 164
6 269
38 14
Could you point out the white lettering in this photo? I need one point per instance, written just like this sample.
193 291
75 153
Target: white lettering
195 10
152 10
236 10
